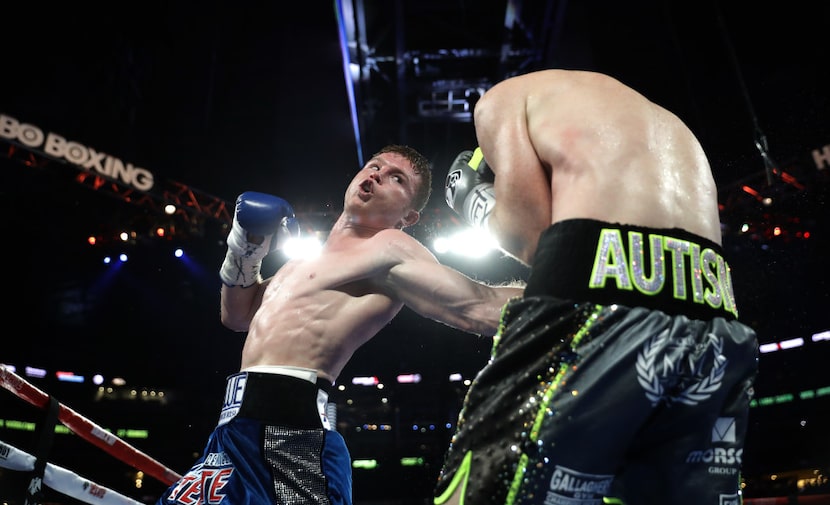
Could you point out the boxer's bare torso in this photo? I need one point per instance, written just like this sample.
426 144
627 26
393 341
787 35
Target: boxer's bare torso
315 312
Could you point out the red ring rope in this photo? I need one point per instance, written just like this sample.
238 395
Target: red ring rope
88 430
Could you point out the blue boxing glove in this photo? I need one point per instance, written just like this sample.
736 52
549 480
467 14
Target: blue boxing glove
261 224
469 188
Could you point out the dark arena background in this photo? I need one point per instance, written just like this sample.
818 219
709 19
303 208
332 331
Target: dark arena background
109 114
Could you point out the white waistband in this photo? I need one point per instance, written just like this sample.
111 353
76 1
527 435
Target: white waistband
308 374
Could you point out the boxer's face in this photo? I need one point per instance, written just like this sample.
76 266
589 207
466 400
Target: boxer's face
385 188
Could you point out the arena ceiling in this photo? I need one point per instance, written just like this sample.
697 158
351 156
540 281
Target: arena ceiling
214 99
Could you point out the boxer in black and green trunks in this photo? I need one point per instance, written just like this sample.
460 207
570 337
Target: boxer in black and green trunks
623 375
580 394
302 324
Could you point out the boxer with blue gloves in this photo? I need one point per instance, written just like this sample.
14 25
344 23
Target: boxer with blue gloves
273 443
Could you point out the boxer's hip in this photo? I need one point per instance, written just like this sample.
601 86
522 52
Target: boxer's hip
276 398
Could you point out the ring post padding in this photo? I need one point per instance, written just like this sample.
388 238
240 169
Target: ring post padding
45 439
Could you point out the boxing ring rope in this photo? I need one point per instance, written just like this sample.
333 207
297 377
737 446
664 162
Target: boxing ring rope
61 479
72 485
87 429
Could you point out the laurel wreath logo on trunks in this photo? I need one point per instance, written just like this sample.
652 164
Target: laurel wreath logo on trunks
701 387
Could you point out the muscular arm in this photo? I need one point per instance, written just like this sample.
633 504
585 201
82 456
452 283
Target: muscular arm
522 184
443 294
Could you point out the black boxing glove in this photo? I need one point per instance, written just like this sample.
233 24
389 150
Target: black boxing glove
469 188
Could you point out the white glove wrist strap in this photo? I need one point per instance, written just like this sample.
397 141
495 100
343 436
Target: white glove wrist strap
240 270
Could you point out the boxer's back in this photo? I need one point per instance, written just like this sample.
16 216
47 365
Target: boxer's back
607 152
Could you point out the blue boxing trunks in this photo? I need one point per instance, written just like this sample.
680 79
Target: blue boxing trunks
273 445
622 376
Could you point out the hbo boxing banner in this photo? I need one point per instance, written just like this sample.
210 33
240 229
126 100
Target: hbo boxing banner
57 147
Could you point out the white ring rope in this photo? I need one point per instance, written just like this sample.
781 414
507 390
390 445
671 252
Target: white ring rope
62 480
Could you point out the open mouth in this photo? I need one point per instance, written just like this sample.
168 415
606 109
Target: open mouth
366 186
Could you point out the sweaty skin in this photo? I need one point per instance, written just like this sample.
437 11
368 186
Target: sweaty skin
575 144
314 313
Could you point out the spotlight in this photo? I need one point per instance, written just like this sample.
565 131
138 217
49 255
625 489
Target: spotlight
470 243
303 247
441 245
